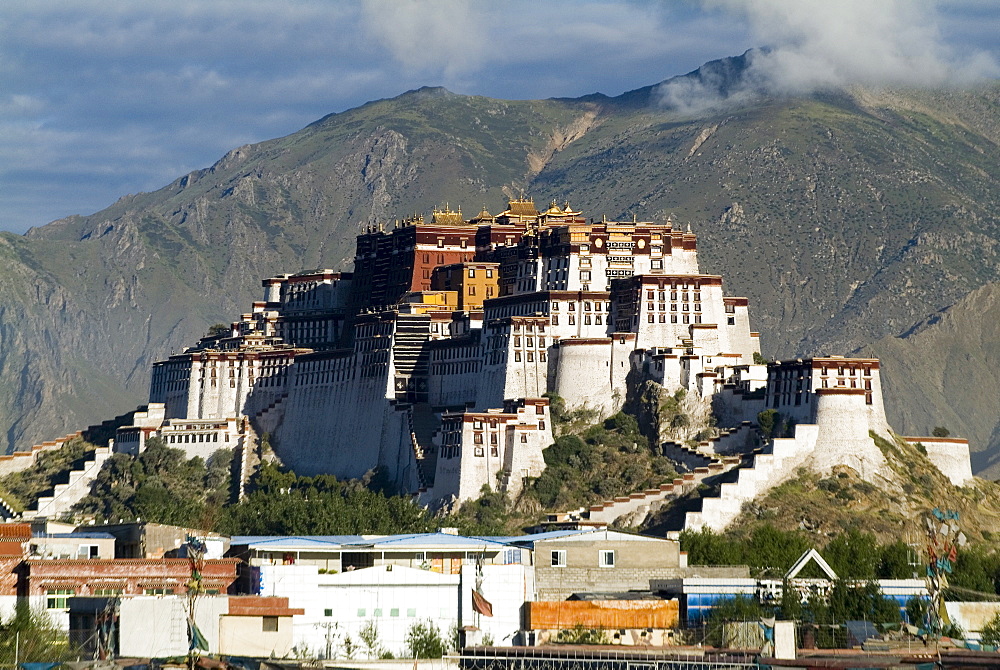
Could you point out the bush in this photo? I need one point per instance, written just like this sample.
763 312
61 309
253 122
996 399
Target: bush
990 634
580 635
768 420
424 640
35 637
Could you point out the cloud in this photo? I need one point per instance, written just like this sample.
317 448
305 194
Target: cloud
813 45
99 98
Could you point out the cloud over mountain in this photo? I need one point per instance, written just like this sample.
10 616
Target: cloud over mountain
813 45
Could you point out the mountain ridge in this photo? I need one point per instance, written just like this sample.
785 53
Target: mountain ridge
884 203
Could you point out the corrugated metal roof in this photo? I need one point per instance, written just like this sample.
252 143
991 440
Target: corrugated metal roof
548 535
286 541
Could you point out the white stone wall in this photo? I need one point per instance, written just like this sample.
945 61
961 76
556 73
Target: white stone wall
455 371
843 425
949 455
584 374
496 449
394 598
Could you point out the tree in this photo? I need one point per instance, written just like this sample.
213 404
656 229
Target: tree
940 431
705 547
32 635
369 638
894 562
217 329
990 633
424 640
853 555
864 602
768 420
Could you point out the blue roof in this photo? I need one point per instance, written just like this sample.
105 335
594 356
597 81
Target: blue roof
346 541
417 539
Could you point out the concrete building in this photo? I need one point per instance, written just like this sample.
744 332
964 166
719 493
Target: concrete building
231 625
698 595
143 539
347 583
48 584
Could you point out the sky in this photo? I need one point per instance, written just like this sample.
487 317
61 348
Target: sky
103 98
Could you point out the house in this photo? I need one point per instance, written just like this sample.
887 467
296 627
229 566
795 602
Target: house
14 539
387 583
698 595
599 560
231 625
142 539
48 584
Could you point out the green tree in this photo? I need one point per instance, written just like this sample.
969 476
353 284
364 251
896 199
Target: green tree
286 504
864 602
705 547
790 606
990 633
894 561
768 421
424 640
940 431
772 551
32 635
854 555
579 634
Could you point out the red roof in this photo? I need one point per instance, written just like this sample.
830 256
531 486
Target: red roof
19 532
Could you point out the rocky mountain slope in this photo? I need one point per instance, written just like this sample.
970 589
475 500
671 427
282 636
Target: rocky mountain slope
846 218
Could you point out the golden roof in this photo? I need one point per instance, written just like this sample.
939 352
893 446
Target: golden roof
447 216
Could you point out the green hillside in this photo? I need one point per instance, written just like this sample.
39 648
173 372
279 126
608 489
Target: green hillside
846 219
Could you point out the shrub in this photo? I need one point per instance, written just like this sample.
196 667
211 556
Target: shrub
424 640
990 634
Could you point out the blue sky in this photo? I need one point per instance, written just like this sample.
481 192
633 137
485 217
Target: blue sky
99 99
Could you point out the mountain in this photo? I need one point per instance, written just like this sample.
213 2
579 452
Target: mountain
847 218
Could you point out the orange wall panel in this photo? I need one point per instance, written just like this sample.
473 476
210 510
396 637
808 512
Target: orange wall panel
602 614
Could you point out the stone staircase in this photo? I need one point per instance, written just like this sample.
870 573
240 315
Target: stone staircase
66 495
724 502
637 506
22 460
423 424
739 440
268 419
245 457
6 511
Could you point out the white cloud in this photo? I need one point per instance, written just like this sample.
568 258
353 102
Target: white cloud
103 97
819 45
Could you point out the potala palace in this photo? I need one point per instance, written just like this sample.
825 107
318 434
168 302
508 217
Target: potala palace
434 360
